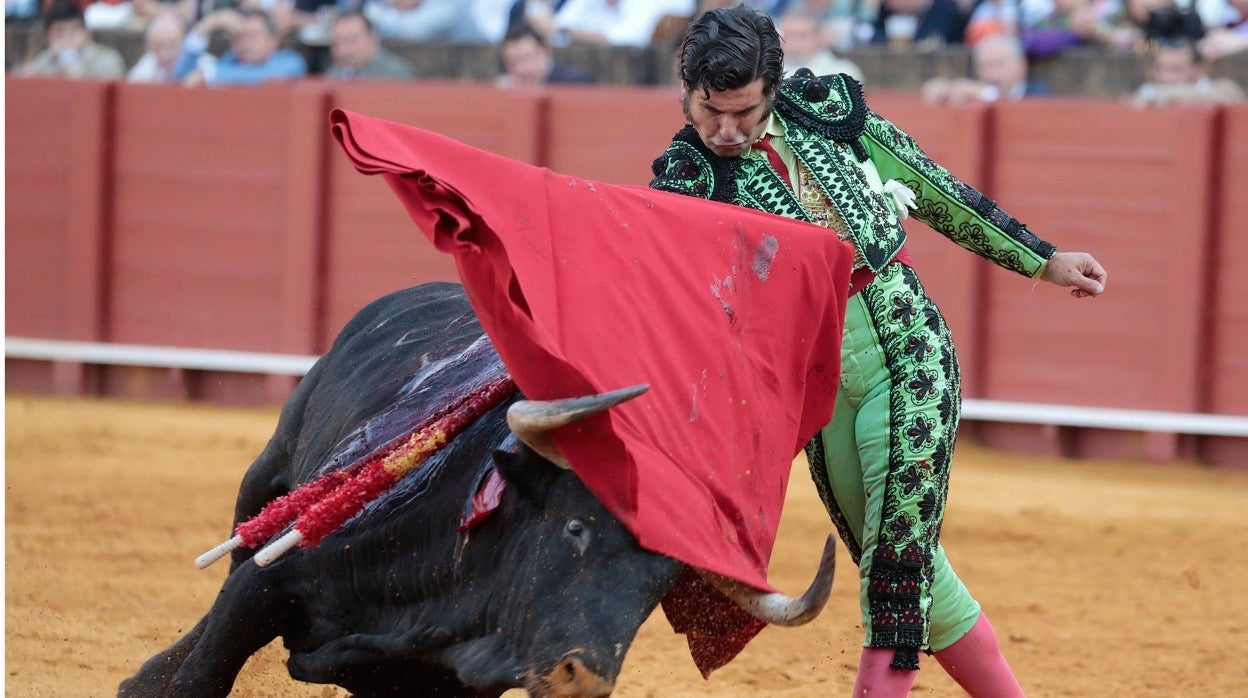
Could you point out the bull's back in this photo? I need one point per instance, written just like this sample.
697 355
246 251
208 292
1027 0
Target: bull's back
396 362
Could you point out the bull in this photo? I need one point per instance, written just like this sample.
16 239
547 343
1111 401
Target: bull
546 592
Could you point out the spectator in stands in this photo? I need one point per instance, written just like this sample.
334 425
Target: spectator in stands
804 47
1000 68
162 41
1229 35
1068 23
358 54
70 52
921 23
1179 75
615 22
254 57
842 23
528 61
424 20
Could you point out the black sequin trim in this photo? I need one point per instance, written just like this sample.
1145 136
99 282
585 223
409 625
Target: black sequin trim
893 593
723 171
990 211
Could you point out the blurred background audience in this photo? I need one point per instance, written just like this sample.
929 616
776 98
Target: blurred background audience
538 14
71 52
255 55
998 47
843 24
131 14
1179 75
923 24
1227 30
425 20
805 45
528 61
1049 27
162 44
358 54
1000 74
614 22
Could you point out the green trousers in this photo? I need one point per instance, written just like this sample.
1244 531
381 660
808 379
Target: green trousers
882 466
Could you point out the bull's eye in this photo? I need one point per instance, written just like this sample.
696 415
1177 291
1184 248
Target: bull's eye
575 527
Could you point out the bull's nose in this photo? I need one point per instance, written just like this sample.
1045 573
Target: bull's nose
570 678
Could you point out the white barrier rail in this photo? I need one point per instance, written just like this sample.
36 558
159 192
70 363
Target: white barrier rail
298 365
159 357
1105 418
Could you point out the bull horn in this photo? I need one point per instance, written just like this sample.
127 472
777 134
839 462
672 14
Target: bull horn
774 607
532 420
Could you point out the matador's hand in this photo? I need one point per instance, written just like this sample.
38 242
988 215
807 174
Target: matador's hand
1078 269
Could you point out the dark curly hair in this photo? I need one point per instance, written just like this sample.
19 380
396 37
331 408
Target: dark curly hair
729 48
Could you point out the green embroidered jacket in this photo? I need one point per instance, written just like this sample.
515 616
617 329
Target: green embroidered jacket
830 130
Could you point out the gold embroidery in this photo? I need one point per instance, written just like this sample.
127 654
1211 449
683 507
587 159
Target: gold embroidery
821 211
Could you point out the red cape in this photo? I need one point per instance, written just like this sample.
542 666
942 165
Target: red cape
732 316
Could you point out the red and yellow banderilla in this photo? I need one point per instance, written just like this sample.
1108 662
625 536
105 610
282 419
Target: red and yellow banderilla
320 507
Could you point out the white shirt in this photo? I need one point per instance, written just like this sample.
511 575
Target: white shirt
626 23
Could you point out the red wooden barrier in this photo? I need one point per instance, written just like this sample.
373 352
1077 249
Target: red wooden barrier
955 138
216 234
373 246
56 221
610 134
1226 369
1131 186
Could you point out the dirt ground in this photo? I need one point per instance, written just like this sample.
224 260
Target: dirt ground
1102 578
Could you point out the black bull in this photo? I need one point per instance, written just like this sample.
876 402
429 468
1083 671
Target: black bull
547 592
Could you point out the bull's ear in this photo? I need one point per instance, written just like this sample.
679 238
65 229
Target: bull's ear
530 474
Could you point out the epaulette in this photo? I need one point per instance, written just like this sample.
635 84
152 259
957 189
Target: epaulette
831 106
689 167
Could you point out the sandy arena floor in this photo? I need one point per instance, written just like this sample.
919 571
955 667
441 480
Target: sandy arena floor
1102 578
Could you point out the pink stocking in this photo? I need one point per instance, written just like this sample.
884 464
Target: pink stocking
876 679
976 663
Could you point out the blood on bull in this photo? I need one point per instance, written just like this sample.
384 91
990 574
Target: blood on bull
488 567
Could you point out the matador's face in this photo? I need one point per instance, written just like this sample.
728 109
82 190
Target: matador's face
729 121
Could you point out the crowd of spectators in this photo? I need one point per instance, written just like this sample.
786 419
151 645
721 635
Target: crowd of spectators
253 39
999 73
